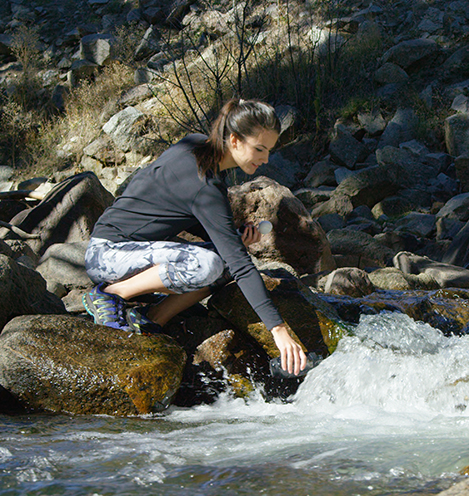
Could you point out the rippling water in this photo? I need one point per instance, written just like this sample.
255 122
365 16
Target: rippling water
385 414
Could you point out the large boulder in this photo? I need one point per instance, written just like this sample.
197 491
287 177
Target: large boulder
23 292
67 364
296 239
67 214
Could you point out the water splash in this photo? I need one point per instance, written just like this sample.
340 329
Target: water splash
395 364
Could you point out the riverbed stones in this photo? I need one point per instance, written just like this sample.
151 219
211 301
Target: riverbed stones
65 364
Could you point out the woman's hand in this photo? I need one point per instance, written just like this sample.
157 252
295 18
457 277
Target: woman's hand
292 355
250 235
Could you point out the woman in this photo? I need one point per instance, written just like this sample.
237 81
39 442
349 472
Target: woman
129 254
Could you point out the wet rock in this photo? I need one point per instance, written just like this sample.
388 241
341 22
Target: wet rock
264 199
313 323
459 489
23 292
64 364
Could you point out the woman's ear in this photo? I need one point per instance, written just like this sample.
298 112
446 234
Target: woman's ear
234 141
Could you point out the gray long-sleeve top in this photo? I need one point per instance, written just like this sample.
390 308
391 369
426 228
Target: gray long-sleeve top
168 197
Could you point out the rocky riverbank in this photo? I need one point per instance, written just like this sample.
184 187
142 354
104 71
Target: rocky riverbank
369 205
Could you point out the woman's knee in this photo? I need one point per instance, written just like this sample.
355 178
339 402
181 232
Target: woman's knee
193 272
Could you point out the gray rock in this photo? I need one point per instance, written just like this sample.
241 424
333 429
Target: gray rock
461 104
410 164
149 44
346 150
456 208
393 207
67 214
5 44
401 128
392 279
310 196
422 225
351 281
410 53
461 165
458 59
65 263
331 221
123 127
279 168
97 48
289 119
457 134
363 247
80 69
24 292
447 228
446 275
373 122
321 174
458 251
342 173
390 73
6 172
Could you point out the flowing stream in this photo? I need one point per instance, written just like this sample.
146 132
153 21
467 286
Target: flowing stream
385 414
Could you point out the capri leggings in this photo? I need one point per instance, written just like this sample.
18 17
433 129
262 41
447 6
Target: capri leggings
182 267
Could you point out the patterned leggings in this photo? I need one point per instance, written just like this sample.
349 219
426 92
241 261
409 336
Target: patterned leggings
182 267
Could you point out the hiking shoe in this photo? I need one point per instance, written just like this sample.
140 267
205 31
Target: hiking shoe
140 323
107 309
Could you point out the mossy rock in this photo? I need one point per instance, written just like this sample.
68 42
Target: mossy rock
311 321
67 364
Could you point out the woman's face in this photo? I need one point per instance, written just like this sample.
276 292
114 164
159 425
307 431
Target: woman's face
251 152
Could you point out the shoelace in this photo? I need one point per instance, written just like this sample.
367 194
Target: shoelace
110 310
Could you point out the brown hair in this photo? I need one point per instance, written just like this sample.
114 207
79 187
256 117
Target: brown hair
242 118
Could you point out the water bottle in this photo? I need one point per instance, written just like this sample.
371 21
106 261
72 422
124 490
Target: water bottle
276 367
